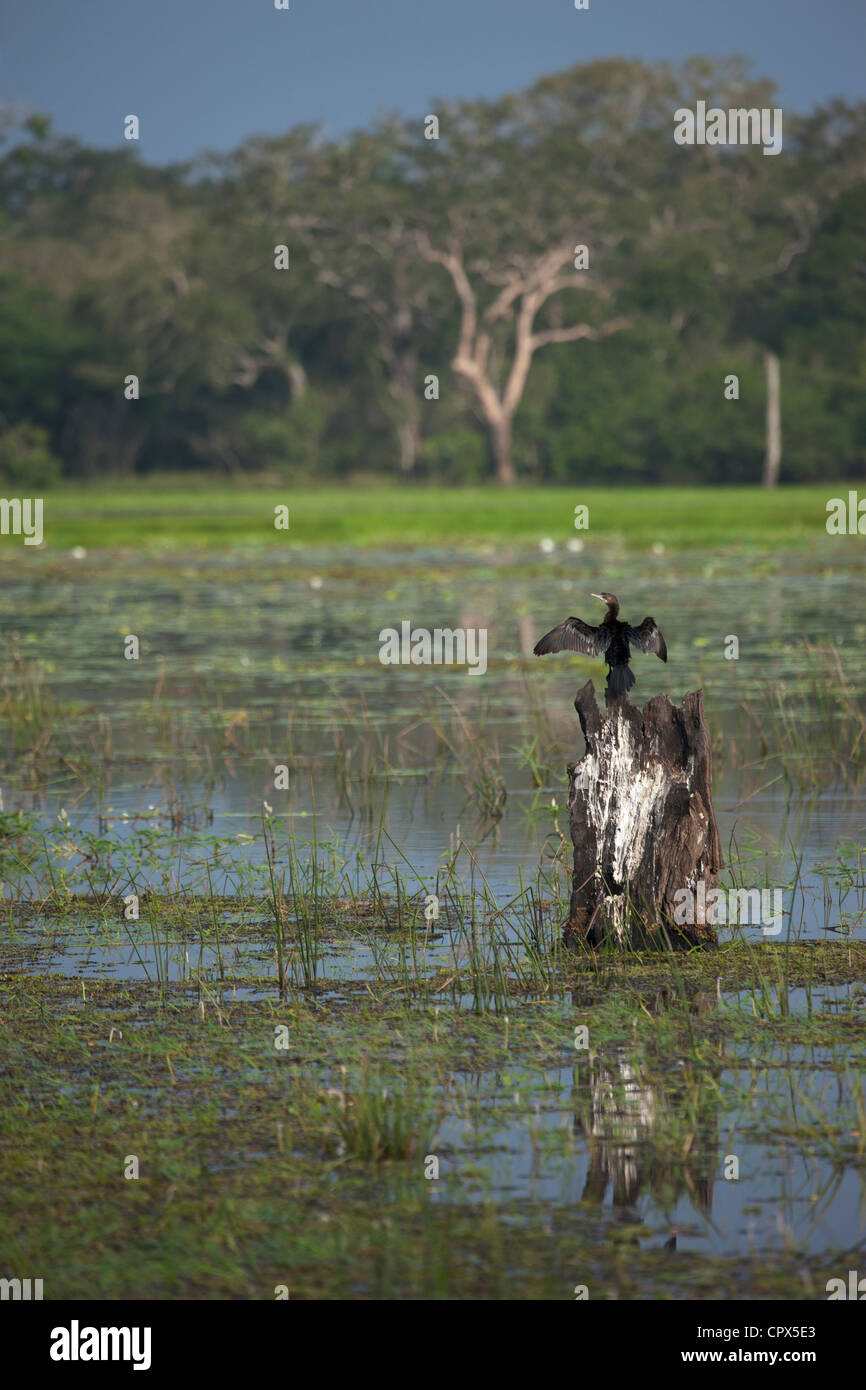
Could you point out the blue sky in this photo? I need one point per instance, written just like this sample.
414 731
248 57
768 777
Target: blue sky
208 73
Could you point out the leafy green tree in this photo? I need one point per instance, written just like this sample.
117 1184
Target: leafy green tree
26 460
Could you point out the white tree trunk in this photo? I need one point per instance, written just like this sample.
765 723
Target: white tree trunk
773 450
642 822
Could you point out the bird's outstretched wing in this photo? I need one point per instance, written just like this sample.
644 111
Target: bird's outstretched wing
648 638
574 636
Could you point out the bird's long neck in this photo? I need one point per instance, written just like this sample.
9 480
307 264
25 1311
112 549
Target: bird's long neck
612 610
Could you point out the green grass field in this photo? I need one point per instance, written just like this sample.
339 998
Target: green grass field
181 513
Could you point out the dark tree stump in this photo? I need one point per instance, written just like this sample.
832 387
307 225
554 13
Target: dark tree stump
642 823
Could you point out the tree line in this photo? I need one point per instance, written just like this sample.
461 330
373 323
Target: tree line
543 287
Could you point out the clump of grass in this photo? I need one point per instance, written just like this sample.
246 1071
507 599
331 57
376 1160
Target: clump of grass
539 751
477 753
821 737
375 1121
306 905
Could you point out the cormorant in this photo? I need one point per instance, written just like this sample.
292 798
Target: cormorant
612 637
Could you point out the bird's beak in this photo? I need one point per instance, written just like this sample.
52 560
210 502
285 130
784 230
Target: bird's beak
601 596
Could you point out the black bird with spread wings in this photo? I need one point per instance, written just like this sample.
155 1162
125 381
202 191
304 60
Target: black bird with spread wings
611 637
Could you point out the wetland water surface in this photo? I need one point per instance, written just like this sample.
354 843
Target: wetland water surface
704 1138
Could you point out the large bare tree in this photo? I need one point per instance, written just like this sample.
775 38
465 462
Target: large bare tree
512 189
521 290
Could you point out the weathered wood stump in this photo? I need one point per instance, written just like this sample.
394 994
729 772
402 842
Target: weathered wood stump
642 824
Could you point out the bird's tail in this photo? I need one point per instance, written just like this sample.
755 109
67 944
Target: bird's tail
620 679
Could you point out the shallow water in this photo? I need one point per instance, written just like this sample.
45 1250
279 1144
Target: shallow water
244 665
247 664
590 1135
